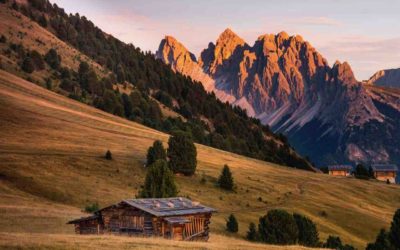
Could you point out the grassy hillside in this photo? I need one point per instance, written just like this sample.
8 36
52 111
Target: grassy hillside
75 39
20 30
51 154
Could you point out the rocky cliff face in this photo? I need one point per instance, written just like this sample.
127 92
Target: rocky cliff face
386 78
287 84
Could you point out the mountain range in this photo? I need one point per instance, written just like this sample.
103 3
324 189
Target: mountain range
282 80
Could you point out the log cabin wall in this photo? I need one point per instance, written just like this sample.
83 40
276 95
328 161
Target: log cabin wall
125 220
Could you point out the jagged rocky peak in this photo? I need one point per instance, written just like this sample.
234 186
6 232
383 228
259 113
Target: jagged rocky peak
171 50
227 45
343 73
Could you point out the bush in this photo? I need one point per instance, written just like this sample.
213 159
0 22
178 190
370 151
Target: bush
252 234
232 224
159 181
37 60
108 155
225 180
156 152
27 65
3 39
53 59
278 227
333 242
308 233
182 153
92 208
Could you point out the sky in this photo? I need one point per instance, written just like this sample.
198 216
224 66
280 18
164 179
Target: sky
365 33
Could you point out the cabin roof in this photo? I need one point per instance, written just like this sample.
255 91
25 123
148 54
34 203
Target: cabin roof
339 167
92 217
384 167
161 207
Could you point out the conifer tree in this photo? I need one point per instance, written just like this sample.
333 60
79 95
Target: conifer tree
156 152
159 181
232 224
394 232
308 233
182 153
225 180
252 234
108 155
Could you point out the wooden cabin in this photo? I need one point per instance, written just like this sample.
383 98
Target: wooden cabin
385 172
172 218
340 170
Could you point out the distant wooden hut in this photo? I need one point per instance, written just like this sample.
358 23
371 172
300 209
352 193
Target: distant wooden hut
340 170
172 218
385 172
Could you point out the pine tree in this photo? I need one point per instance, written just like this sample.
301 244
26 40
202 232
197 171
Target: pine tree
252 234
232 224
225 180
394 232
108 155
156 152
159 181
182 153
53 59
308 233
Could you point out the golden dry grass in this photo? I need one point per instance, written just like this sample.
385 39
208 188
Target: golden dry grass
51 166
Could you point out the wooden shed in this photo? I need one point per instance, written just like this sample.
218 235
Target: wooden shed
173 218
340 170
385 172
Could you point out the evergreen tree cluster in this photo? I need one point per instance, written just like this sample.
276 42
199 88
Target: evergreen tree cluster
232 129
282 228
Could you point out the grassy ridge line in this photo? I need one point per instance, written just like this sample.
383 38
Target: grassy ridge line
31 123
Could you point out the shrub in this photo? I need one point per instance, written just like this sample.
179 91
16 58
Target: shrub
53 59
278 227
225 180
252 234
156 152
3 39
159 181
308 233
108 155
37 60
333 242
92 208
232 224
182 153
27 65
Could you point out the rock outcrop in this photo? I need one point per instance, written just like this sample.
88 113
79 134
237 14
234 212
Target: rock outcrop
386 78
